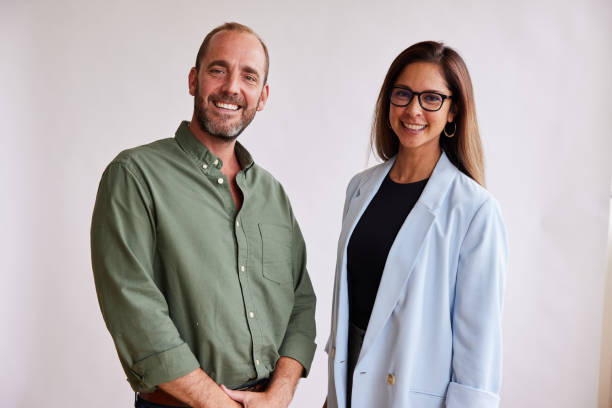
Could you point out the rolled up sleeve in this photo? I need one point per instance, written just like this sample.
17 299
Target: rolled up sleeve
477 341
298 342
134 308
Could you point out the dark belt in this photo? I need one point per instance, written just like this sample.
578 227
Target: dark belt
161 397
254 386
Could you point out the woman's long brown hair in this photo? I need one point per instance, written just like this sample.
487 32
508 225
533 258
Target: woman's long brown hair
464 149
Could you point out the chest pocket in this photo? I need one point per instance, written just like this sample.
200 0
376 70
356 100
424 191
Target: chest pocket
276 252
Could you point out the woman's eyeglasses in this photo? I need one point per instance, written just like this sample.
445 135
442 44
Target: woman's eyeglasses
429 101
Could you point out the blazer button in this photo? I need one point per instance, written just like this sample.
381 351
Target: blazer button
333 353
390 379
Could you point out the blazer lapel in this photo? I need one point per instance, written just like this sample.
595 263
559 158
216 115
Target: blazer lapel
361 199
406 247
358 202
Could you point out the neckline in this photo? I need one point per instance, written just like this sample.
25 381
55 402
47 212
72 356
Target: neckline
413 184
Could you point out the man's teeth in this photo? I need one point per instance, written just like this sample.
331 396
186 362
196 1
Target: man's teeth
226 105
413 127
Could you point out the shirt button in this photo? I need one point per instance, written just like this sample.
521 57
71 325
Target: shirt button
257 362
390 379
216 162
251 315
242 268
237 224
220 180
205 166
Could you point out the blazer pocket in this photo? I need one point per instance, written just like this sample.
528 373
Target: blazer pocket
424 400
276 244
424 394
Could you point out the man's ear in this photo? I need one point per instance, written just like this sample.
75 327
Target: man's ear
265 92
193 81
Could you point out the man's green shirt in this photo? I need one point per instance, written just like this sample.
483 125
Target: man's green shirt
184 280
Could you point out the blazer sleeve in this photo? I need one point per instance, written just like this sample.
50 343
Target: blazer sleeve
476 315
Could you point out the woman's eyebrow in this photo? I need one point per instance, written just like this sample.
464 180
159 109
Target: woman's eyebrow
412 90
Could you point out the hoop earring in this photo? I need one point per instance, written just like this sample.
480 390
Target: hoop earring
454 130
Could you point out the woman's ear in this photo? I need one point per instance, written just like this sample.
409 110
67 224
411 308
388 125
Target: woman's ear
451 113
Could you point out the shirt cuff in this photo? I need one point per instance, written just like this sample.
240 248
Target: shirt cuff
459 395
300 348
163 367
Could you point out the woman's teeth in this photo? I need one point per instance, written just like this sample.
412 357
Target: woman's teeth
413 127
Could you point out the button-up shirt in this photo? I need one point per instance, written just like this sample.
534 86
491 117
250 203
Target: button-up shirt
184 280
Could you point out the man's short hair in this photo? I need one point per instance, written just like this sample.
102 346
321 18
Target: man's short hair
231 26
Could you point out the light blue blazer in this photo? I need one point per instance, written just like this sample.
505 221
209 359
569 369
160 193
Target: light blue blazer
434 336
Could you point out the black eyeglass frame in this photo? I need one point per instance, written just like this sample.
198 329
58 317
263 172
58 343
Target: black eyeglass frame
418 94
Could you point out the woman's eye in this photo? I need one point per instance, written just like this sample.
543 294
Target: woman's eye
431 97
404 94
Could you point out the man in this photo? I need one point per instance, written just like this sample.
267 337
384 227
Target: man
199 263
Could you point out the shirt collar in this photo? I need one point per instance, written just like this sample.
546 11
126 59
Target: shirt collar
190 144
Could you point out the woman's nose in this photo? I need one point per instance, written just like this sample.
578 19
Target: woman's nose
414 107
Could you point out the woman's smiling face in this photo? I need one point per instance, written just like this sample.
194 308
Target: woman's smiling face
415 127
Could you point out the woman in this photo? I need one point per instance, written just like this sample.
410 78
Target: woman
422 253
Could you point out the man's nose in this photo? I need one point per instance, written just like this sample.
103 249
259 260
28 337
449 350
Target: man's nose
231 84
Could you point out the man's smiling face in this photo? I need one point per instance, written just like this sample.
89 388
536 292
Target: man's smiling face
229 88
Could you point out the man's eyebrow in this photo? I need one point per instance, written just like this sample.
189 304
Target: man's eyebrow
250 70
221 63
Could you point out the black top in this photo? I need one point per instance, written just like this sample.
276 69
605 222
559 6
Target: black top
371 241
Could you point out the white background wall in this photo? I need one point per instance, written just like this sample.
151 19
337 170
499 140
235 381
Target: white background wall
80 81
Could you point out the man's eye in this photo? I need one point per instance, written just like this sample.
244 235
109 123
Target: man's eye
216 71
251 78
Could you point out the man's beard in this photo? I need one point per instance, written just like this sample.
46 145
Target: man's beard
222 128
